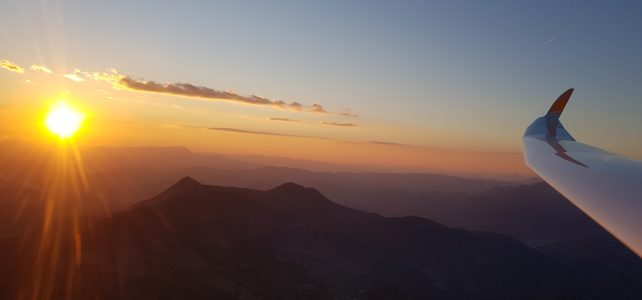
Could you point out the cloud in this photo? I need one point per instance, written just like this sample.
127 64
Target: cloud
79 76
40 68
236 130
119 81
74 77
284 120
550 41
339 124
347 114
7 65
111 76
318 108
267 133
324 123
190 90
387 143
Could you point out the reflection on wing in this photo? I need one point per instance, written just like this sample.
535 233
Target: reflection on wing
561 152
606 186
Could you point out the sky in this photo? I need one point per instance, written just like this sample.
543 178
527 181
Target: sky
444 86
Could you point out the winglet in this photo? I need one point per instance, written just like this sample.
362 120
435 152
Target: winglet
559 104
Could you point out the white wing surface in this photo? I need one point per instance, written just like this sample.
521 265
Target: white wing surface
604 185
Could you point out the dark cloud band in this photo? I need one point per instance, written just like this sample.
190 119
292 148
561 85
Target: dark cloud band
340 124
190 90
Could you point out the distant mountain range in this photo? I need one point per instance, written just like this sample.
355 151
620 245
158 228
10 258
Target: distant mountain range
126 175
292 242
195 241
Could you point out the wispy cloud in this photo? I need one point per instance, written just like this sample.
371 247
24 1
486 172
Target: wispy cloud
549 41
80 76
386 143
236 130
13 67
284 120
119 81
74 77
347 114
340 124
324 122
318 108
190 90
195 91
278 134
111 76
41 69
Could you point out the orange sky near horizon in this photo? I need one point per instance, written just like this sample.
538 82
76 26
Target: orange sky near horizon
121 117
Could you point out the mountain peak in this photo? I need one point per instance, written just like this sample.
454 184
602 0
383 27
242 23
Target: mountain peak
188 181
186 184
296 192
290 186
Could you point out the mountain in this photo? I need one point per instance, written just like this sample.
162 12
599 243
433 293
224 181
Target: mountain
535 214
122 175
544 219
364 191
195 241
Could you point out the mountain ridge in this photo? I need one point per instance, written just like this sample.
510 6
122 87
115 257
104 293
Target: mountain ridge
301 244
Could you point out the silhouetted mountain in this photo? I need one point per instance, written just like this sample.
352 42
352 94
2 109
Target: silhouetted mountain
198 241
537 215
534 214
358 190
544 219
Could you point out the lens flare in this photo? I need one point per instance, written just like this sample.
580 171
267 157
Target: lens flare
63 120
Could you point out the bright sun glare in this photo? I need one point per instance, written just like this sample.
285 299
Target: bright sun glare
63 120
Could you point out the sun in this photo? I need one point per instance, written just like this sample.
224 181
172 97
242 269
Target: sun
63 120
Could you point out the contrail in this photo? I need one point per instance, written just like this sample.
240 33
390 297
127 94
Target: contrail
550 41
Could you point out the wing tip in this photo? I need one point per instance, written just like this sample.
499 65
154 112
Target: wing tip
558 106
